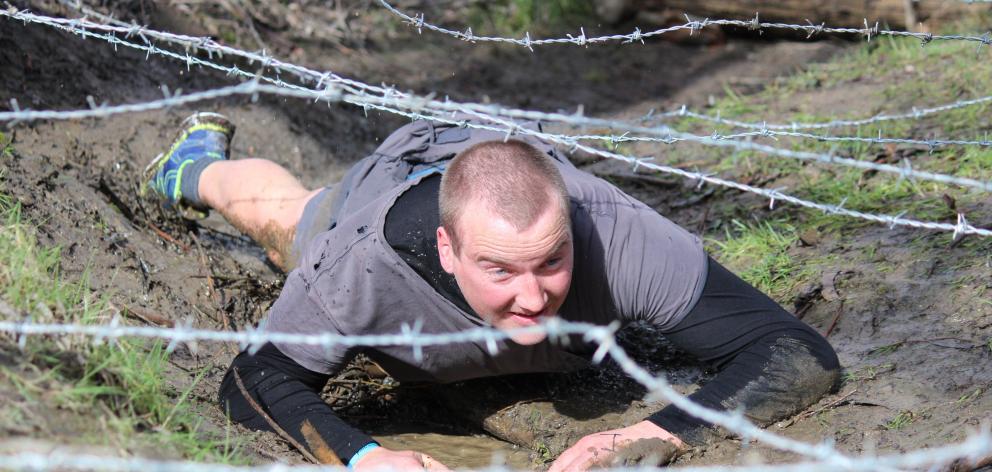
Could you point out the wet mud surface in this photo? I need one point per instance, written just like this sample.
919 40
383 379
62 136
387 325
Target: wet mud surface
910 328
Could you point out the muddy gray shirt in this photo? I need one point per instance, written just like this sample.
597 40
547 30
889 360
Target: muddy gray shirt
630 264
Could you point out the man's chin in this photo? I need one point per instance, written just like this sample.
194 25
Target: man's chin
528 339
532 337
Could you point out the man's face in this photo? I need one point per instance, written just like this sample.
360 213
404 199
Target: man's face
511 278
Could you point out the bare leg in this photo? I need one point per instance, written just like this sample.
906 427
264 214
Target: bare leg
261 199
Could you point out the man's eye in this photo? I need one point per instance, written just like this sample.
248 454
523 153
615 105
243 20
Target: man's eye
552 262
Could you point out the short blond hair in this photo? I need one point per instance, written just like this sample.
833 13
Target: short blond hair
515 180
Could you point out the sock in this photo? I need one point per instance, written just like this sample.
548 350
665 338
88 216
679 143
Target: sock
190 185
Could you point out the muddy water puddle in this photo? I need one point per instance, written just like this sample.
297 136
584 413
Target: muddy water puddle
459 451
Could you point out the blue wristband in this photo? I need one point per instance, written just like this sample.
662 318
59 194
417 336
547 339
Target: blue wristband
361 453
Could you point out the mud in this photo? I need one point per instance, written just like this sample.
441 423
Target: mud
910 324
643 452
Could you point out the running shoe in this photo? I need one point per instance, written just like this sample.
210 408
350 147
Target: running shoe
201 136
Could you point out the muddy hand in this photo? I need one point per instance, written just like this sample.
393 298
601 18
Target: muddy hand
381 458
618 447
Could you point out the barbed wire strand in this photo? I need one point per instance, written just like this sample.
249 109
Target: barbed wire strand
692 26
333 94
669 135
774 195
410 335
974 446
191 46
904 171
796 126
196 43
932 144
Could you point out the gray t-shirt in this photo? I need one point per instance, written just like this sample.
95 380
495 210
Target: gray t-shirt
630 264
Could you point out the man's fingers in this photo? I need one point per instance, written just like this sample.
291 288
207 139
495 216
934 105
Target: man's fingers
432 464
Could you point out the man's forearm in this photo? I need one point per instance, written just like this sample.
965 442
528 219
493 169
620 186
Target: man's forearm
288 393
769 364
773 378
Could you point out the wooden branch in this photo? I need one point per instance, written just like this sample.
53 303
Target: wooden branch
168 237
268 419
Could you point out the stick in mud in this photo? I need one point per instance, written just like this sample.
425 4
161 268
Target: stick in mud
275 427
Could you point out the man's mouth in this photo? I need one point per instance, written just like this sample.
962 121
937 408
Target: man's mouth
527 318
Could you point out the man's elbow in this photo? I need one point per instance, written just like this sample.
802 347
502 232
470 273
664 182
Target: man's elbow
802 369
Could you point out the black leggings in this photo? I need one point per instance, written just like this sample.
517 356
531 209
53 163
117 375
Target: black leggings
769 363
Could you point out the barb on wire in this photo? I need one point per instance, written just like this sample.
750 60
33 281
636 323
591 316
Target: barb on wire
692 25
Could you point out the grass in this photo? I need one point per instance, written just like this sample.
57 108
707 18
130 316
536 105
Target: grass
867 372
970 396
514 18
6 146
119 390
758 253
901 420
886 349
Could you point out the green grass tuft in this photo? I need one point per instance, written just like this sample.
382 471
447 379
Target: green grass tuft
758 253
516 17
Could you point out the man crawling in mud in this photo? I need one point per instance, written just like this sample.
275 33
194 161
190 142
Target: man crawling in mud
456 228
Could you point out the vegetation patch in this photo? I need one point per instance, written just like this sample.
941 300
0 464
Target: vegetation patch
758 253
517 17
115 394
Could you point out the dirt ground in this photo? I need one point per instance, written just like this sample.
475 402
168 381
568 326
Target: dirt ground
910 329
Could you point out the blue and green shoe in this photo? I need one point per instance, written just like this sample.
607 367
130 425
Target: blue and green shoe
201 136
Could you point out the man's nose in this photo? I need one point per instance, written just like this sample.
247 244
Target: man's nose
531 296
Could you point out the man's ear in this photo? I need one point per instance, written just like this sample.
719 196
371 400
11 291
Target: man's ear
445 251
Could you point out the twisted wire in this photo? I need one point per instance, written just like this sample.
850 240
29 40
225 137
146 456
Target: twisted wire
692 26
